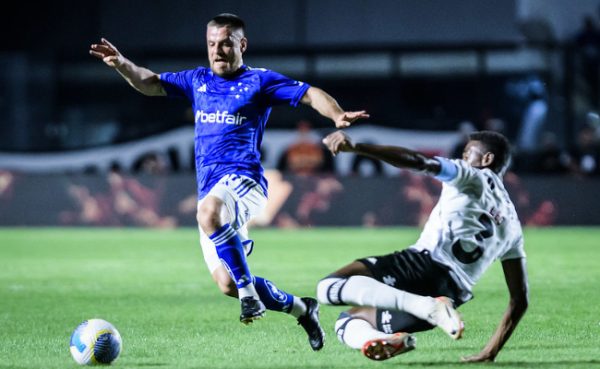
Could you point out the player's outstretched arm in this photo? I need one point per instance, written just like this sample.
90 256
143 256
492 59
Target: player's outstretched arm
328 107
515 274
142 79
397 156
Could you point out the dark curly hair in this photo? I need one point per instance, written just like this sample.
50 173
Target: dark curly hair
497 144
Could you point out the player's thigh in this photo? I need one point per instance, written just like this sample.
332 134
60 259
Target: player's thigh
416 272
242 199
354 268
365 313
406 270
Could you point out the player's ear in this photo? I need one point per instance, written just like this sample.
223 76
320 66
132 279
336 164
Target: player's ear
243 44
487 159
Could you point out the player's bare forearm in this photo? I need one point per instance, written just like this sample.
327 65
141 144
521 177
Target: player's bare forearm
142 79
399 157
322 102
516 280
395 155
507 325
328 107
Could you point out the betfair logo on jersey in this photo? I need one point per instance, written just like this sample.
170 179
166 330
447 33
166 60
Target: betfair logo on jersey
219 117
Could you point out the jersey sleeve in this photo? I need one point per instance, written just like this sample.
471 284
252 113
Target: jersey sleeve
516 251
279 89
465 176
178 84
448 171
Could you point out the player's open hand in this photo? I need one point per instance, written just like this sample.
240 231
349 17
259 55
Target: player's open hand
108 53
348 117
338 141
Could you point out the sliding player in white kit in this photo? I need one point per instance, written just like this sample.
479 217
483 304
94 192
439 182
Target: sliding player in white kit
416 289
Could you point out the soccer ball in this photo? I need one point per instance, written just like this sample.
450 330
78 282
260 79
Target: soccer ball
94 342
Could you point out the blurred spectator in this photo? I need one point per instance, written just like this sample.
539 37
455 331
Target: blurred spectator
318 199
92 207
495 124
532 213
7 180
363 166
537 29
118 201
306 155
586 155
7 188
465 128
151 163
534 116
550 158
421 192
587 41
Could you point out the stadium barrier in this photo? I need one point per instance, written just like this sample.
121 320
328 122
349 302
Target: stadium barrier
181 141
294 201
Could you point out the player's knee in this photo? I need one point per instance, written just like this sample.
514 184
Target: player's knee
208 216
340 325
329 289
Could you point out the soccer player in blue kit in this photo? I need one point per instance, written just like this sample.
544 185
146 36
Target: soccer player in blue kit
231 103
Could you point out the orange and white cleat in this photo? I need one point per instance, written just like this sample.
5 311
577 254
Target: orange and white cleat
446 317
386 348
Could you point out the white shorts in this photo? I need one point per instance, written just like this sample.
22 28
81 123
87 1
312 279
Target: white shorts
243 199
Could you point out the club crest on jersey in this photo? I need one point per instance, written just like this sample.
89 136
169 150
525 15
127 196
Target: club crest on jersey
219 117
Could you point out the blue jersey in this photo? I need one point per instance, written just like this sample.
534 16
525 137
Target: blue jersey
230 118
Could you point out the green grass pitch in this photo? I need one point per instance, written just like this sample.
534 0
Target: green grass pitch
153 285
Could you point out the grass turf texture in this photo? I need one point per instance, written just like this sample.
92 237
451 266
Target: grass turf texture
153 285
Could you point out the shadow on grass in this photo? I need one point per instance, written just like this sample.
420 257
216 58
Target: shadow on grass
512 364
152 364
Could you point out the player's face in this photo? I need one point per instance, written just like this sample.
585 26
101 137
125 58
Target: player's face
225 49
474 154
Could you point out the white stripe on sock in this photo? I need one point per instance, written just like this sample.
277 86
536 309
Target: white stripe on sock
357 332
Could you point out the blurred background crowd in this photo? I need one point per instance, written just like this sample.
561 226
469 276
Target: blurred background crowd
527 68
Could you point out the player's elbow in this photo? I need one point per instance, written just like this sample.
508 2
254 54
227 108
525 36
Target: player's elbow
150 86
520 303
307 97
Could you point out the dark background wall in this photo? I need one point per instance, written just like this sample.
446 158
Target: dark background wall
68 25
417 64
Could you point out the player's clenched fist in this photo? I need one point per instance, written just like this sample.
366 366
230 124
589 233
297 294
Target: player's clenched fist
108 53
338 141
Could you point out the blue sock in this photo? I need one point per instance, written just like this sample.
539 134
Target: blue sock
273 298
230 251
